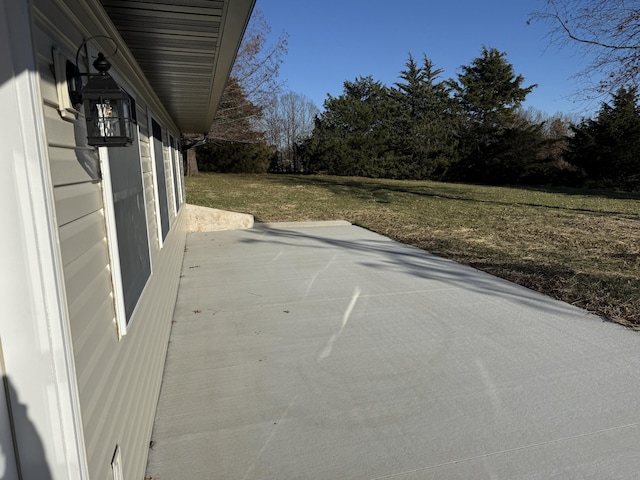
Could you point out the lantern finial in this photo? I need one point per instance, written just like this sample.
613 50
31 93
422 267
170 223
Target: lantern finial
101 63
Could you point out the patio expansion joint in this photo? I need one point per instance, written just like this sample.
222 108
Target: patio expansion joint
511 450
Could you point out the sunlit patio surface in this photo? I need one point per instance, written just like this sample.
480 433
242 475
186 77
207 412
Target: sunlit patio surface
325 351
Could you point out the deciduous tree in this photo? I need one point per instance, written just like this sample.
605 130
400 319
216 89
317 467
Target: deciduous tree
607 32
287 121
257 64
252 84
238 117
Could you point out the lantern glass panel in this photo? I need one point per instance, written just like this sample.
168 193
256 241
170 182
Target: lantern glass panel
128 117
106 123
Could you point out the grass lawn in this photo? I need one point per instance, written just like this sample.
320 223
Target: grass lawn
579 246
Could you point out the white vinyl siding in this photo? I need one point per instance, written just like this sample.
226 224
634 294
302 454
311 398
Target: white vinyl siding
118 381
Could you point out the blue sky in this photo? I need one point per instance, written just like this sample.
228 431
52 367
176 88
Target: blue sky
337 40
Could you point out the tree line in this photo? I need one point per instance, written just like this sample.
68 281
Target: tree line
471 129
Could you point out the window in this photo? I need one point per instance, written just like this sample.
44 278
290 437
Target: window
130 220
161 181
176 174
183 197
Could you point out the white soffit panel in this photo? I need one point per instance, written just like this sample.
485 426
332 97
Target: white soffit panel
186 49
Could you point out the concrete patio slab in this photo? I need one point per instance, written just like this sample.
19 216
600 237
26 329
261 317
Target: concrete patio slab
330 352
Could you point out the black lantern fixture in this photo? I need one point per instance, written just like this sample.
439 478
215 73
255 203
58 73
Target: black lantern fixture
108 109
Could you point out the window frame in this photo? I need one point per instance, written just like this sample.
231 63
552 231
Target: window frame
175 169
152 150
112 243
123 324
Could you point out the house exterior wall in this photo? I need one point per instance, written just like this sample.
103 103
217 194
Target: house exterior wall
117 377
41 397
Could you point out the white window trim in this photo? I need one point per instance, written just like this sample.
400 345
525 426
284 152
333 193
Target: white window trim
175 180
168 179
176 152
183 199
146 213
145 199
112 237
152 152
112 241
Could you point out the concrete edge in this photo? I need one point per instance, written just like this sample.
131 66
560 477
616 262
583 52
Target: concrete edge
323 223
205 219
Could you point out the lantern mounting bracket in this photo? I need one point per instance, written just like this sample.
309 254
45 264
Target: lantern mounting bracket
101 63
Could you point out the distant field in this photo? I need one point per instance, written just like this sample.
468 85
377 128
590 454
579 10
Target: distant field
579 246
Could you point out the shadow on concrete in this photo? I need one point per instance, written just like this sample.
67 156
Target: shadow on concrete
381 253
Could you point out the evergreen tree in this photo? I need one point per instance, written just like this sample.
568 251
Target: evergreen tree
424 119
352 137
235 143
608 147
237 117
492 136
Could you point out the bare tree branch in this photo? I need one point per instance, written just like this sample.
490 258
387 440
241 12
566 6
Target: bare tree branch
253 83
607 32
287 121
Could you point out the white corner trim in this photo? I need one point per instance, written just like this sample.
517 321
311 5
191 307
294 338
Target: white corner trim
38 352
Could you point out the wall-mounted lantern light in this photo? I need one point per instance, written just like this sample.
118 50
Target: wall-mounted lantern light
108 109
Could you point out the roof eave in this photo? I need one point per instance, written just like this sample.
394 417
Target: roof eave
173 56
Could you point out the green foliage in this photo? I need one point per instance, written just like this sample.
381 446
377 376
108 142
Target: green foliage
489 91
495 144
352 136
233 157
425 119
374 131
472 129
427 128
607 148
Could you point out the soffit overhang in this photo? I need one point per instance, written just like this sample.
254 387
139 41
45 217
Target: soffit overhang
185 48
